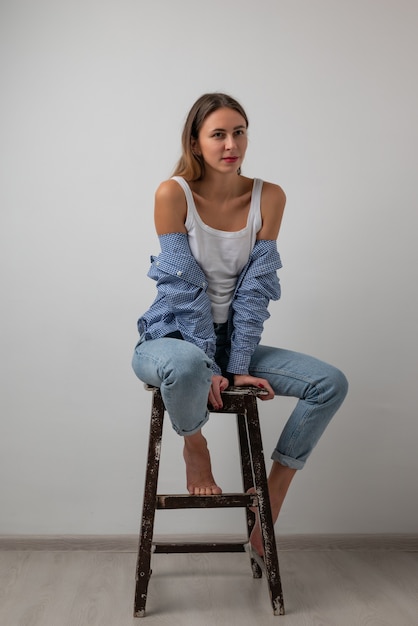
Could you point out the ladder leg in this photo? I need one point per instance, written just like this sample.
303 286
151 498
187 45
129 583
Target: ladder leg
143 568
266 521
247 481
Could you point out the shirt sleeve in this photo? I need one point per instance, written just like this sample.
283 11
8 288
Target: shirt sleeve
256 286
182 296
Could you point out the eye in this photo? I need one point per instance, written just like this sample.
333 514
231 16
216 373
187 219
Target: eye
218 135
241 131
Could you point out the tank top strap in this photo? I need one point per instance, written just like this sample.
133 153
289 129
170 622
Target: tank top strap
256 192
192 216
185 186
255 207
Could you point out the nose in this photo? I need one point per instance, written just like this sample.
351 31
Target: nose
230 142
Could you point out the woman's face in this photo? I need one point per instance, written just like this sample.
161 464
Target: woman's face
222 140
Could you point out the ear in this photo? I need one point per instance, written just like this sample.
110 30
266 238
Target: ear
195 146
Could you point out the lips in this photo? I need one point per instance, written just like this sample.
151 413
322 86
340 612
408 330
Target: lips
230 159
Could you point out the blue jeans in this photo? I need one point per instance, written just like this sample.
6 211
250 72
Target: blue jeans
183 373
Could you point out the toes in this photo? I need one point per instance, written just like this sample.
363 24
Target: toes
213 490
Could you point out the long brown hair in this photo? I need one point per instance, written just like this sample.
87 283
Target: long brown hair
190 165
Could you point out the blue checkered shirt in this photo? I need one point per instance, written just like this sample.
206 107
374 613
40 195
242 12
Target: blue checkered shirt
182 303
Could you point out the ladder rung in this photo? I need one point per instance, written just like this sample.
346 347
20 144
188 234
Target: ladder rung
225 500
180 548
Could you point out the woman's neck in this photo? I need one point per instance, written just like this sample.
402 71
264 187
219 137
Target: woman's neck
220 187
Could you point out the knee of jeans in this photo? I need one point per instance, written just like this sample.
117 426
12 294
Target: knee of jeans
336 385
340 383
331 387
191 368
134 363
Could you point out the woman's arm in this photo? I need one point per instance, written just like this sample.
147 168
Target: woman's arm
170 208
273 201
170 212
259 285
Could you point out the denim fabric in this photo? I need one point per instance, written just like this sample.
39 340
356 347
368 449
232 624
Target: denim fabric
183 372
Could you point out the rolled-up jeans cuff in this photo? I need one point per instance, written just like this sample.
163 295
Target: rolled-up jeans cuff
186 433
287 461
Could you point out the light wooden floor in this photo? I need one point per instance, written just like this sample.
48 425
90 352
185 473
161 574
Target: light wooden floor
334 587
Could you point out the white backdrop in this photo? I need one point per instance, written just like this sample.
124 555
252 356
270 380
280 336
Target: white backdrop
93 98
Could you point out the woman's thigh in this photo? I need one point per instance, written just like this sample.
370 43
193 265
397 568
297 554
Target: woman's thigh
293 373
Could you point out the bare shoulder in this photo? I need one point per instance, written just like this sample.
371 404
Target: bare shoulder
170 191
170 208
273 200
273 194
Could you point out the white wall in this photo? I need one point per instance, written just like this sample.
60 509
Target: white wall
94 95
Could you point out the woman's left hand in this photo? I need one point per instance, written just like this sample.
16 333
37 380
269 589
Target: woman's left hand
219 384
245 380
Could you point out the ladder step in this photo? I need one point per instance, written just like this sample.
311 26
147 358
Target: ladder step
184 548
186 501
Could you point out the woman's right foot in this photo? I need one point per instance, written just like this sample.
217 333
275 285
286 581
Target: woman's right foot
278 483
256 541
200 481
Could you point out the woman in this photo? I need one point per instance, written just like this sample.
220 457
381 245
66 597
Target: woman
215 276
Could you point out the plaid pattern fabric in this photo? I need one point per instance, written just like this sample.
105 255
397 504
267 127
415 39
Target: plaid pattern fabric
182 303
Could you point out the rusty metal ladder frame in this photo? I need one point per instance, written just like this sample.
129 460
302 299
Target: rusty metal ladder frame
241 401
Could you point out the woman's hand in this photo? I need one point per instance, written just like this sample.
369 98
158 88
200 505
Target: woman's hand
219 384
245 380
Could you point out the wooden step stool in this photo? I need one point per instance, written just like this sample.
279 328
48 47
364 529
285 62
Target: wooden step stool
241 401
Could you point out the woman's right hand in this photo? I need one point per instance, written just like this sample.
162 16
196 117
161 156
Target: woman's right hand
219 384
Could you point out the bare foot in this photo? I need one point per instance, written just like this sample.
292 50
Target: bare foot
200 481
255 537
278 483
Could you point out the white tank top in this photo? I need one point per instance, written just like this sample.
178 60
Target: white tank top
221 254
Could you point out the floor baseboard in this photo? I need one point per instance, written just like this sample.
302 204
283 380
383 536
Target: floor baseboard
129 543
